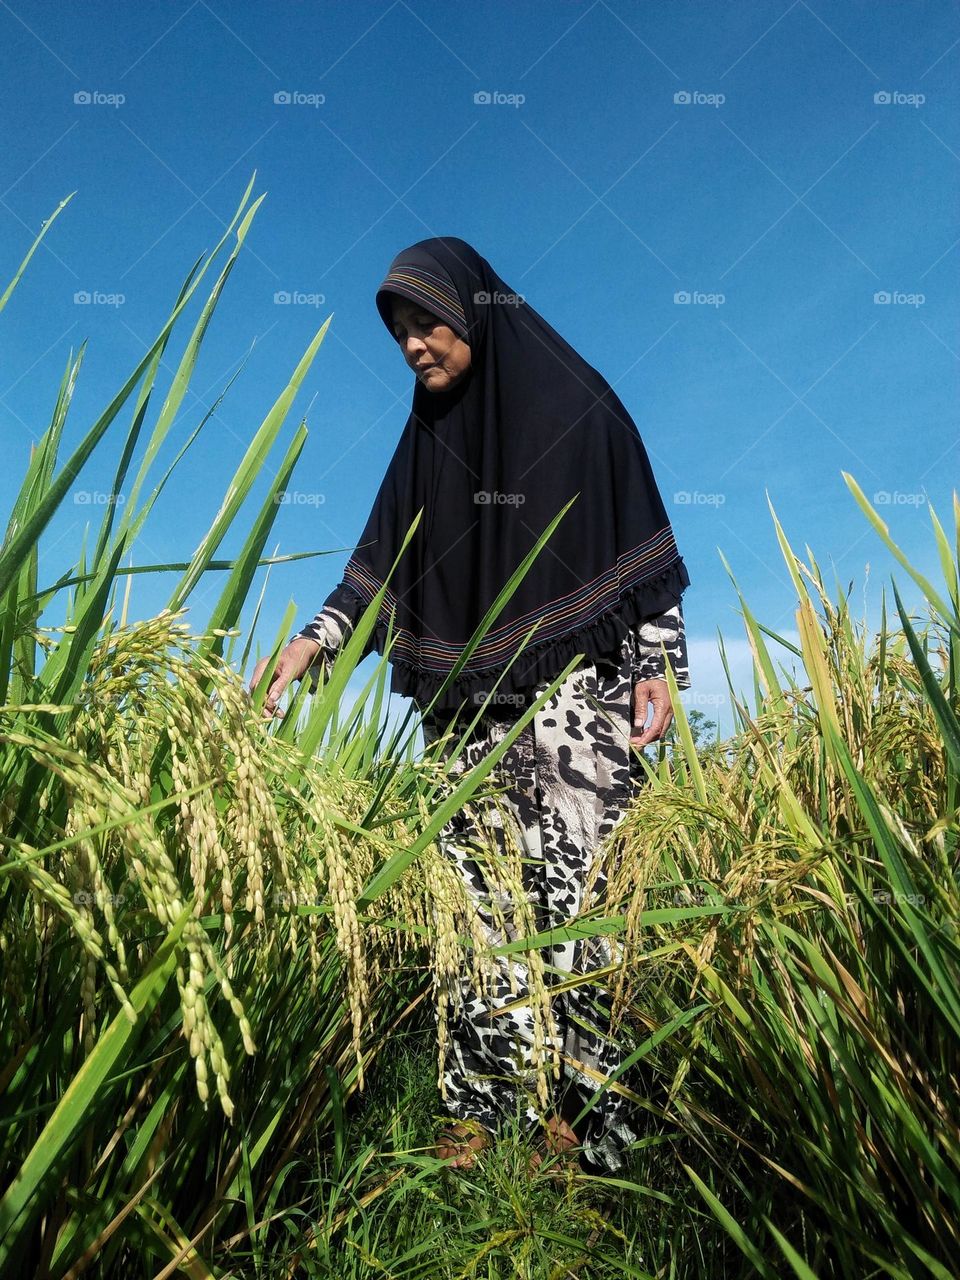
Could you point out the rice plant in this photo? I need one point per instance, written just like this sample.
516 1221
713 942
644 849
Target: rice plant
821 1072
208 927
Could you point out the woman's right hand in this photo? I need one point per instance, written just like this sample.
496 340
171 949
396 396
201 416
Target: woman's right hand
653 693
293 664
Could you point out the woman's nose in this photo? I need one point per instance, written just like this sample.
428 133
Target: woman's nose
414 347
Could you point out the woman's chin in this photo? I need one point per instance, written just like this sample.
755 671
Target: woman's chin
439 380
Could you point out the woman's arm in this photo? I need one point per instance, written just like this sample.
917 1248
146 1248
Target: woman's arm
647 671
317 642
647 661
333 625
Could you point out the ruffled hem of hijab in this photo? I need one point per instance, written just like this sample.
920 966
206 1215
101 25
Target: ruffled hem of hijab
540 662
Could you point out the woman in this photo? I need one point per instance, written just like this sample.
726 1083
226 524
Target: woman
508 423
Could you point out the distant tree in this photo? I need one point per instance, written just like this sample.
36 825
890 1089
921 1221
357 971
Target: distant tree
702 730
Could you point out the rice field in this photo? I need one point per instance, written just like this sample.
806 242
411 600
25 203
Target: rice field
224 944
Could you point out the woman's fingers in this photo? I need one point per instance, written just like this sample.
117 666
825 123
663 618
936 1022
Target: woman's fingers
270 701
293 664
258 671
281 678
656 694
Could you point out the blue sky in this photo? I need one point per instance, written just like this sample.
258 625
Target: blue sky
779 164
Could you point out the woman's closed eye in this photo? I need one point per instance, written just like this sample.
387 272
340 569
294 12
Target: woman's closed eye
422 322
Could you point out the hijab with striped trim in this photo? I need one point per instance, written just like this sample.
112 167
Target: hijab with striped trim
491 461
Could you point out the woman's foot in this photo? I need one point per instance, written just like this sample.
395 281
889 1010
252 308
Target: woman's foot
557 1140
459 1144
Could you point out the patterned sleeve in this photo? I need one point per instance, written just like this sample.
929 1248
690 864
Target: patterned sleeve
647 661
333 625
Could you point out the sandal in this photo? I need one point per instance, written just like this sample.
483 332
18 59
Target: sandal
459 1143
558 1145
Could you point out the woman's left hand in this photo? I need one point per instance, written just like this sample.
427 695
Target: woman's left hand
647 694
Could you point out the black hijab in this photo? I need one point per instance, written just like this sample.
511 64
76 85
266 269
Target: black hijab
492 461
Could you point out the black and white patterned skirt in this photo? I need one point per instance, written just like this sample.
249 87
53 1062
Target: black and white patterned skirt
565 781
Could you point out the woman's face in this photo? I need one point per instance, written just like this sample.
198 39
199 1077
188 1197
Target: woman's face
436 354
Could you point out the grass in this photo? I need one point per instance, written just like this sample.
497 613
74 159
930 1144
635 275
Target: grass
385 1206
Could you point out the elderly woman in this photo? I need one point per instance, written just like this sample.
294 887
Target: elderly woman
508 423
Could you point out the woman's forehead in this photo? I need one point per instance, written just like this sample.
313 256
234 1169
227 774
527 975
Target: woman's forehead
405 307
